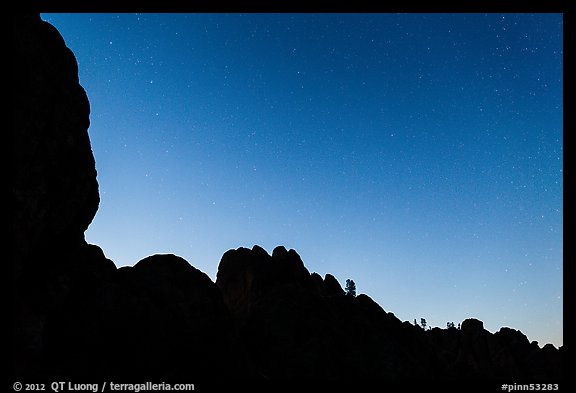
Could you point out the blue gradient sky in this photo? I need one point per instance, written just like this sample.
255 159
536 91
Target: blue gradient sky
418 154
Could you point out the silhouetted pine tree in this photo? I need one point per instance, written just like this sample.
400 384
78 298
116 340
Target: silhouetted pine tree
350 288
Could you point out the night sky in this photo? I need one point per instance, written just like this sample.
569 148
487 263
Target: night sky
418 154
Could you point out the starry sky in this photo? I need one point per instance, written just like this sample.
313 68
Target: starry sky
420 155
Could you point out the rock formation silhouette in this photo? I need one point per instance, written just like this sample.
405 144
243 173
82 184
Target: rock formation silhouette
75 315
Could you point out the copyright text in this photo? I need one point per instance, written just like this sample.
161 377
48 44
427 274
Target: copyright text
58 387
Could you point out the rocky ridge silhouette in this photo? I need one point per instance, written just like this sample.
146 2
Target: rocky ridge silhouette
75 315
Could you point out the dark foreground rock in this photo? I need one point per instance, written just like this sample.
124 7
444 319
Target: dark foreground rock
76 316
298 325
162 319
54 187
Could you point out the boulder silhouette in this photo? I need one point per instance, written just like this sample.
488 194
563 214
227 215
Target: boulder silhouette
161 318
54 188
75 314
296 326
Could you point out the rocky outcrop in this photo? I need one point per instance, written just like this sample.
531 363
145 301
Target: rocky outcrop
297 325
245 276
76 316
162 319
54 187
474 353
